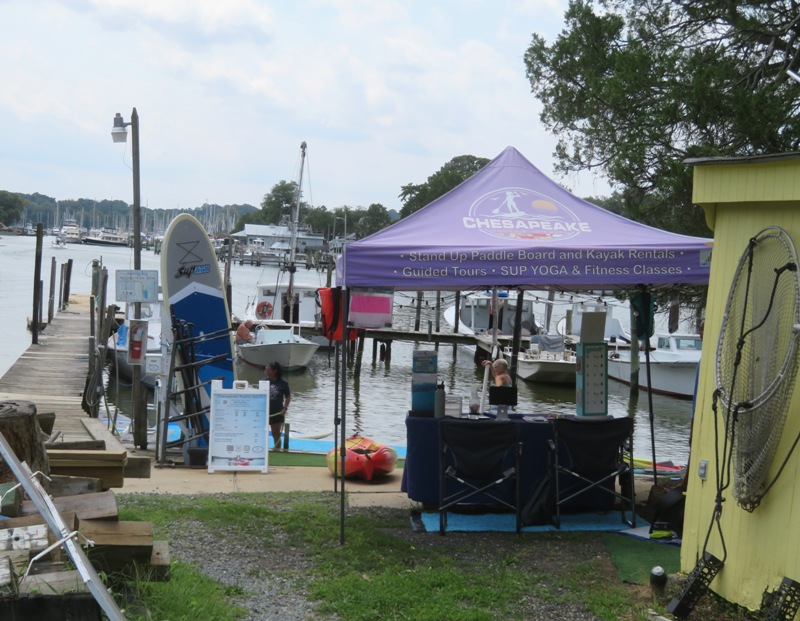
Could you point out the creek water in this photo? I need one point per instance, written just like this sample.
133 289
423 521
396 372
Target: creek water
378 399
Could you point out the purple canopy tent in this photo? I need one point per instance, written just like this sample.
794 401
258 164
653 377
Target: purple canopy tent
510 225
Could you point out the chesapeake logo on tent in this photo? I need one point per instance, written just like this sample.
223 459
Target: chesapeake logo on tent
523 214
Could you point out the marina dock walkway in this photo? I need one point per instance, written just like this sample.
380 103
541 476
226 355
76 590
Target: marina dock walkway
52 374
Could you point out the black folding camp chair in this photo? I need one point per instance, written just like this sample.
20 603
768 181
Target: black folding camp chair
587 455
478 462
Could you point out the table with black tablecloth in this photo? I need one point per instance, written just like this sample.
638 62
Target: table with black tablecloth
421 471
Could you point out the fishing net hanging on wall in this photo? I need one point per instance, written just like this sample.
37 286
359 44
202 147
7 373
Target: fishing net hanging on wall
756 361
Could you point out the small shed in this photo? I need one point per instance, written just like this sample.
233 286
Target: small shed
760 546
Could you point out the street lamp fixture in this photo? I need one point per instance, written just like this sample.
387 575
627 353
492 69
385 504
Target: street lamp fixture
119 134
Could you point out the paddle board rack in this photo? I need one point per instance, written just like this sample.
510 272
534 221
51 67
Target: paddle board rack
192 413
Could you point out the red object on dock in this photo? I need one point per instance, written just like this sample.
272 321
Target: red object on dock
364 459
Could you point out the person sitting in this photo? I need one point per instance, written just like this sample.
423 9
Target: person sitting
499 371
243 333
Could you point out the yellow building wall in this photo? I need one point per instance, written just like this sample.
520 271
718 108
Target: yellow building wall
764 546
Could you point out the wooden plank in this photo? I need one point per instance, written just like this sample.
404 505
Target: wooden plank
77 445
64 485
117 544
109 476
115 455
156 570
69 518
102 505
138 467
99 431
53 583
118 533
160 562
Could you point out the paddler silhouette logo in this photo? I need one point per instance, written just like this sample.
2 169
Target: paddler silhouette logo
523 214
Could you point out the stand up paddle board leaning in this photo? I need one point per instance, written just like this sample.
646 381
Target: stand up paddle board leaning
194 296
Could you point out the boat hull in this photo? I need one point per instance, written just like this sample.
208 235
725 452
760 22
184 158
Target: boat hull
291 351
93 241
544 370
364 459
676 379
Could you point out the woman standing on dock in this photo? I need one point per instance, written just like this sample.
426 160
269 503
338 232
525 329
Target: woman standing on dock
279 397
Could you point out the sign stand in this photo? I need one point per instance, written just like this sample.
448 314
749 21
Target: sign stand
239 428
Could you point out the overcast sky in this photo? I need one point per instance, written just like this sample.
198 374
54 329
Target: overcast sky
385 92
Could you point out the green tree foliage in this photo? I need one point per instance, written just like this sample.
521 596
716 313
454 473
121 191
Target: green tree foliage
456 171
373 219
11 207
319 220
279 204
635 87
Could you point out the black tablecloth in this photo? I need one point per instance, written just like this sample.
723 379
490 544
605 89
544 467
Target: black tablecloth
421 471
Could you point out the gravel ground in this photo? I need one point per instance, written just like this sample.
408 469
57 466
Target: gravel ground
271 578
269 581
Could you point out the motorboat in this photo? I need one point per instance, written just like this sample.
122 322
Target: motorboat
119 341
673 364
271 306
547 360
107 237
292 351
59 243
476 315
71 231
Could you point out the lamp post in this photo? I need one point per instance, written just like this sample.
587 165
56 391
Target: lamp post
120 134
344 239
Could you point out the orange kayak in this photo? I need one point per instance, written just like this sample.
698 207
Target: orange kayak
364 459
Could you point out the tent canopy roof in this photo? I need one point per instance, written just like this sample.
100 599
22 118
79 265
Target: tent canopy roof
509 225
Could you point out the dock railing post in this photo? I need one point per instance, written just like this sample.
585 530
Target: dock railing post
52 297
37 292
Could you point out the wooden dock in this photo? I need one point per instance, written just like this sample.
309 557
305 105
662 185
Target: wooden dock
53 375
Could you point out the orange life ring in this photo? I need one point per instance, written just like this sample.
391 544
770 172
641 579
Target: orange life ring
264 310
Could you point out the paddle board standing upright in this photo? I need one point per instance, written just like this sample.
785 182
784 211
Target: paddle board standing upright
200 320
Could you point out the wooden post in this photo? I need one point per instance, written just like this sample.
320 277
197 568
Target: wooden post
457 317
66 283
37 276
359 355
419 311
21 430
61 279
52 297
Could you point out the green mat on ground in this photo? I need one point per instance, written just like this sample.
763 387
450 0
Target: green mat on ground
634 558
280 458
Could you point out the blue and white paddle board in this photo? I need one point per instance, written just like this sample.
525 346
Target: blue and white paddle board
194 292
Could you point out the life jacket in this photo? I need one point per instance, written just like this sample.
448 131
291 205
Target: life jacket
329 299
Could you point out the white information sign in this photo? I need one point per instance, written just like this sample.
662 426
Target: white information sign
239 422
137 286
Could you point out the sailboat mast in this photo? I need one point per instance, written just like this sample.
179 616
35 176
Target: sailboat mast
295 218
